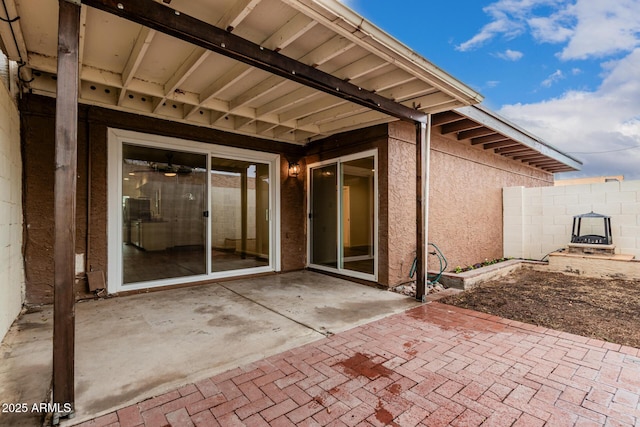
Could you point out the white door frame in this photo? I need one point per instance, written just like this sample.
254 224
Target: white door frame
116 138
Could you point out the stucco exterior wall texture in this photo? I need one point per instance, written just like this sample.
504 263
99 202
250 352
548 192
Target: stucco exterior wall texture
401 208
465 203
11 262
465 200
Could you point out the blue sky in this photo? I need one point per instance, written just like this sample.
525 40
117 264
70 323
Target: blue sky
565 70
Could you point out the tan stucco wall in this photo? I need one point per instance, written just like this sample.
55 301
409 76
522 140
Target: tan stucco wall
465 210
401 209
11 262
465 203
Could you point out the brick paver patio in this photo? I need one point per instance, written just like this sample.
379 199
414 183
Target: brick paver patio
434 365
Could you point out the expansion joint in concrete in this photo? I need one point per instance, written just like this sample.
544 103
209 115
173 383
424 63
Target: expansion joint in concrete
323 333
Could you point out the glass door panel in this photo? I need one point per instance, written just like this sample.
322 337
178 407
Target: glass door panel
163 202
324 216
240 215
357 218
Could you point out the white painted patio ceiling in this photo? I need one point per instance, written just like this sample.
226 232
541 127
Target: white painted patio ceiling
129 67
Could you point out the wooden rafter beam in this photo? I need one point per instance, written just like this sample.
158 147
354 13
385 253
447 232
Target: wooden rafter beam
489 139
445 118
459 126
410 90
514 149
282 38
351 72
531 157
318 56
335 113
433 101
236 14
548 162
233 16
140 47
161 18
289 32
475 133
499 144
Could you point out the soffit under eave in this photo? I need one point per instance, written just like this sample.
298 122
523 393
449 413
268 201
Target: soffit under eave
120 74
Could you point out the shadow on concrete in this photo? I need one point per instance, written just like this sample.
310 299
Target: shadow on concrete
135 347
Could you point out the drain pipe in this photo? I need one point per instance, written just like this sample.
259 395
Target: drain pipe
423 146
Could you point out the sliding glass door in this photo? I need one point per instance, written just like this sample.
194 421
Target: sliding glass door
182 211
163 200
324 213
343 215
240 214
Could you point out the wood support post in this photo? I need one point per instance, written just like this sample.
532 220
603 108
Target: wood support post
65 207
422 180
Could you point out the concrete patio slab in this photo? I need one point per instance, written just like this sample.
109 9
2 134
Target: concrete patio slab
25 367
328 305
135 347
434 365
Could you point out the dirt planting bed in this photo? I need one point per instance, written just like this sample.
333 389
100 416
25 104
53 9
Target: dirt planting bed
605 309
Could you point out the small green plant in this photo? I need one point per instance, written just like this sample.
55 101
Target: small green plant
484 263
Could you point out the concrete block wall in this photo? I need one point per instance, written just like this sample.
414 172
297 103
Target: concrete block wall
11 261
538 221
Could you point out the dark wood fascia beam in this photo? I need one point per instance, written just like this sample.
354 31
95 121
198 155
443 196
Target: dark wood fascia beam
489 138
191 30
475 133
460 126
515 149
541 163
531 157
498 144
66 149
445 118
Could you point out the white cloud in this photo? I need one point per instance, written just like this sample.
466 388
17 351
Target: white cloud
603 27
556 76
502 25
591 28
600 127
510 55
550 29
509 19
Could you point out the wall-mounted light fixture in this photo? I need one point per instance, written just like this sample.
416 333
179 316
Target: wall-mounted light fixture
294 169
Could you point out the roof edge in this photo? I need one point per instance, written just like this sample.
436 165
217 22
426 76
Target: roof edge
500 124
363 32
